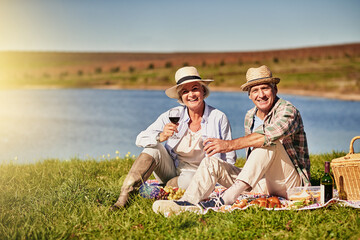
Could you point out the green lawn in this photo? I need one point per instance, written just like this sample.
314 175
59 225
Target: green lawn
55 199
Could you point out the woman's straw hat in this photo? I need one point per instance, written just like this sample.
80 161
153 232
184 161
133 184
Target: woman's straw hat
257 76
186 75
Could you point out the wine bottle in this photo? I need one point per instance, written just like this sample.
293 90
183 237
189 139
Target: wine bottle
326 185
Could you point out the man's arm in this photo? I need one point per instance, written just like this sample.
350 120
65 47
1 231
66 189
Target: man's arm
214 145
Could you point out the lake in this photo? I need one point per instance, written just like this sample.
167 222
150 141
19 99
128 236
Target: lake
93 123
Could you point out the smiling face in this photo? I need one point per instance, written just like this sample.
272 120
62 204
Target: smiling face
263 96
192 95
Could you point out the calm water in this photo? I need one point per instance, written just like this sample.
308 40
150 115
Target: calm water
39 124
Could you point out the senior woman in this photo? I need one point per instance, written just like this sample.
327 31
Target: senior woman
174 163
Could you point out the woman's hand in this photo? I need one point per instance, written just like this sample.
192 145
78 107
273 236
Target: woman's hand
215 145
168 131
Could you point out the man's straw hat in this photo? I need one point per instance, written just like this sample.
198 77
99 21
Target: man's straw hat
186 75
257 76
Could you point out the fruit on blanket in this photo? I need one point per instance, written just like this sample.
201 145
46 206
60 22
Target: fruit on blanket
150 191
162 195
174 193
170 193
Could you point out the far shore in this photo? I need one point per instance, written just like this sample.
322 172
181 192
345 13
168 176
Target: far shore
300 92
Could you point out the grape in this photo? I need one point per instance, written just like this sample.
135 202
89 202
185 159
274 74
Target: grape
170 193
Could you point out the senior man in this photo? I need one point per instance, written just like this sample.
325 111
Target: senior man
276 147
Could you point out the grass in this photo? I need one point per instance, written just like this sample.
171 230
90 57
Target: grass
56 199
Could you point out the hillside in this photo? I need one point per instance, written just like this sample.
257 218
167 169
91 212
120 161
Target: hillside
334 70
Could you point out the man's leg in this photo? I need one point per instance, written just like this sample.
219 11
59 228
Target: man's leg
210 171
268 170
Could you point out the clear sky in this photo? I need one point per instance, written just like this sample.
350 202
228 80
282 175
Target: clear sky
176 26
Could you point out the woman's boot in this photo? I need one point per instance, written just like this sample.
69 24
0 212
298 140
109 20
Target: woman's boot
140 171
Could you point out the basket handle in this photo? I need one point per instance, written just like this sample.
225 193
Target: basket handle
352 144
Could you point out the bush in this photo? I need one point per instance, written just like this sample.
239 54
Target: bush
98 70
151 66
64 74
115 69
168 64
131 69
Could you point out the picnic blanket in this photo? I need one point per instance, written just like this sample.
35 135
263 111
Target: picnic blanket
286 204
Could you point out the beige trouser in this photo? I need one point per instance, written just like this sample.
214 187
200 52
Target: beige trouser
268 170
165 167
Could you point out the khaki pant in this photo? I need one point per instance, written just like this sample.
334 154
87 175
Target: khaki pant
165 167
268 170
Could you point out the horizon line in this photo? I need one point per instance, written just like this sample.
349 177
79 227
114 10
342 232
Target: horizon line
174 52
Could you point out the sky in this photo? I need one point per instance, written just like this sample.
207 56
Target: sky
175 26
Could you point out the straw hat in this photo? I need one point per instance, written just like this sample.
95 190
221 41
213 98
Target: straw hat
257 76
186 75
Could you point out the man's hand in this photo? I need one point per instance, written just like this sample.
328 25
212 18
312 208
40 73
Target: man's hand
214 145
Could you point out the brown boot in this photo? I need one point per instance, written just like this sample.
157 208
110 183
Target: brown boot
140 171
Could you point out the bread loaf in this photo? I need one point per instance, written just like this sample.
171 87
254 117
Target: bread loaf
271 202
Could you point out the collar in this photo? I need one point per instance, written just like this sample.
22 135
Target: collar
205 115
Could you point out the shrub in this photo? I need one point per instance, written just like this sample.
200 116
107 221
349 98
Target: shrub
131 69
168 64
151 66
98 70
115 69
63 74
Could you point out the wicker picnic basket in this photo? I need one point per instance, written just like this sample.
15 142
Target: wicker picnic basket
348 168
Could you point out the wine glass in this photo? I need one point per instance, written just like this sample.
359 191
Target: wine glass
204 137
174 117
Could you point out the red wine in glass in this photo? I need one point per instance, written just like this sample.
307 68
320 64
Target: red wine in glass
174 119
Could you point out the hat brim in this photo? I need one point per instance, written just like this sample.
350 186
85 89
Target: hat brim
172 92
248 85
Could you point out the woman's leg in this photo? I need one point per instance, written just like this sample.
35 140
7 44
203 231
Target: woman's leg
165 167
151 159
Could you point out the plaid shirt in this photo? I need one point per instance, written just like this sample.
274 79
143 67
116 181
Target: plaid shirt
284 123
